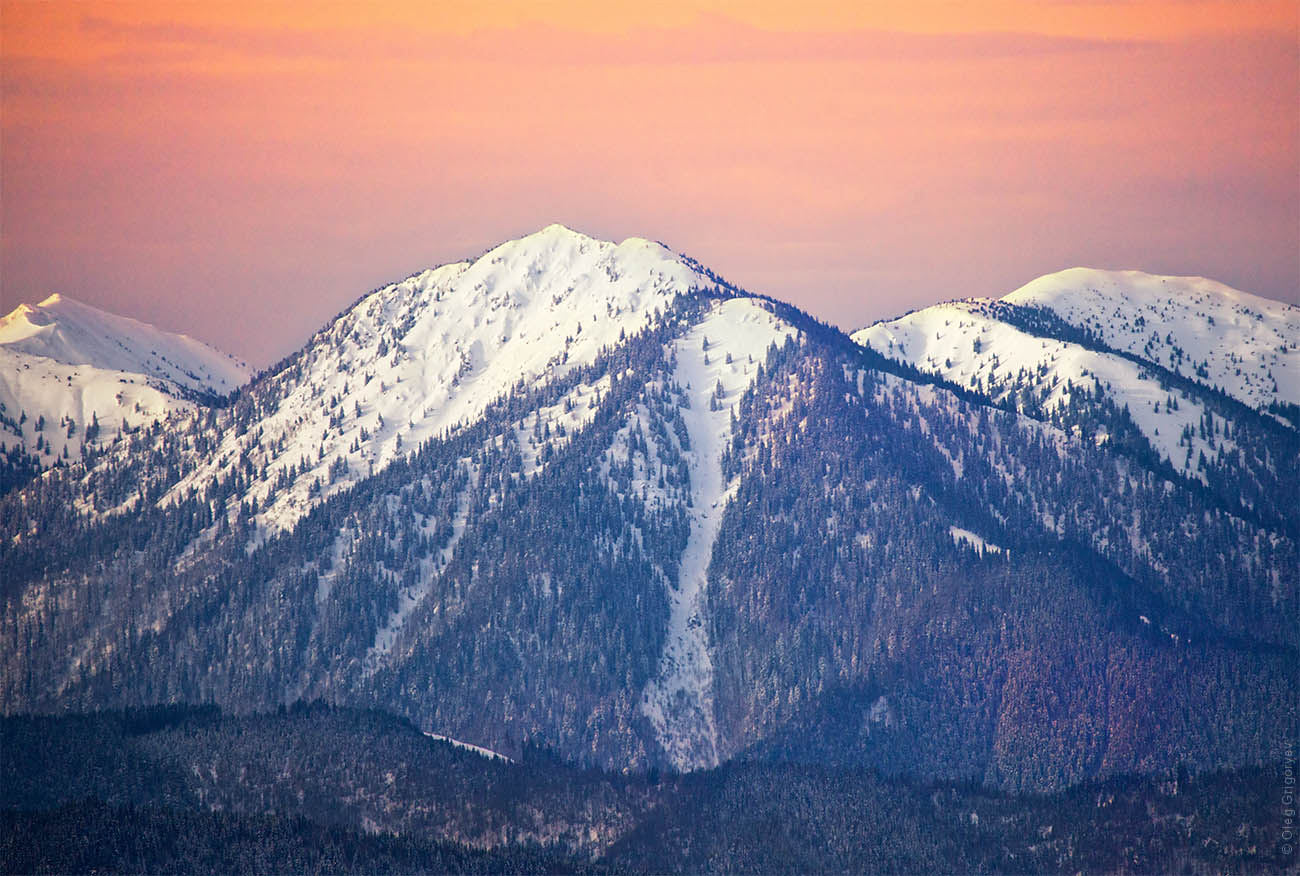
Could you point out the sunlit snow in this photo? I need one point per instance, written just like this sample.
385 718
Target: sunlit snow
66 366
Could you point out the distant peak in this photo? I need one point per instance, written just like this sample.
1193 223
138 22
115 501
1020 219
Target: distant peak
1131 284
25 314
1080 276
27 311
557 232
557 228
58 307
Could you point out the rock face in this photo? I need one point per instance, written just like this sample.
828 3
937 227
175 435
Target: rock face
590 496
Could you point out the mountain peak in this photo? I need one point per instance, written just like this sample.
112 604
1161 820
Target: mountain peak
71 332
27 320
1136 285
441 346
557 244
21 312
558 263
553 241
558 229
62 361
1204 332
1243 344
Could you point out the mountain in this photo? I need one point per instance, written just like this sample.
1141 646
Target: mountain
427 356
1240 344
71 374
1179 369
592 497
1190 328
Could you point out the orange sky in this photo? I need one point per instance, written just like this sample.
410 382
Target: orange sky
241 171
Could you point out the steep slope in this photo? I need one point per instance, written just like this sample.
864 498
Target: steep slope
699 527
72 374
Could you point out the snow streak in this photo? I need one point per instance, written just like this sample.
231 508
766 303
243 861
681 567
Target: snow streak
724 350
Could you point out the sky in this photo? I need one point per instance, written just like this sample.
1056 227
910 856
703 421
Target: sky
243 171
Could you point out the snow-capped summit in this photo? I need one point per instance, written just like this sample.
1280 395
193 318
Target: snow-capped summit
1245 346
1242 344
560 263
71 373
427 355
73 333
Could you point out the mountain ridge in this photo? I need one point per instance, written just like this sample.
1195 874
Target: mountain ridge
73 333
1078 296
584 493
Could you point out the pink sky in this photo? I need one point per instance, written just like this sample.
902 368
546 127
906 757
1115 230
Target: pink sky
241 172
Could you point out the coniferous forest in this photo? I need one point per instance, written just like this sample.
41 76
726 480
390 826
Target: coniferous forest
319 789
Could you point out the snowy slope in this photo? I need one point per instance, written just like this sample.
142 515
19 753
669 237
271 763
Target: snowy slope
1246 346
66 366
73 333
425 356
966 346
1224 333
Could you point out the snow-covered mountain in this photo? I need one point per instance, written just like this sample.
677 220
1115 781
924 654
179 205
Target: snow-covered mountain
1241 344
1134 339
71 373
587 494
426 356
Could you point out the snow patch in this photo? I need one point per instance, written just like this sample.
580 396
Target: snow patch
965 536
477 749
